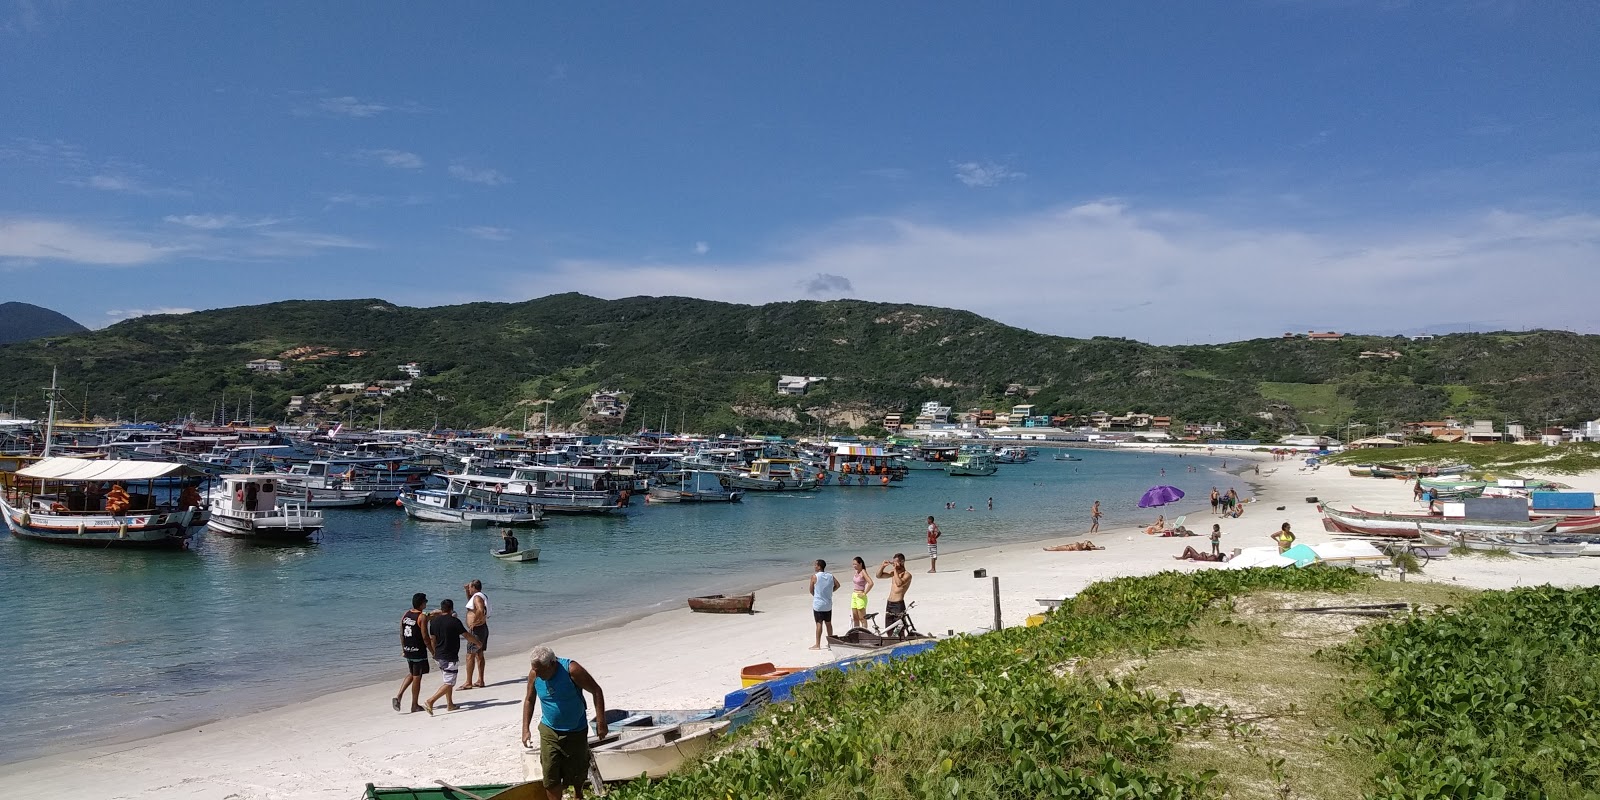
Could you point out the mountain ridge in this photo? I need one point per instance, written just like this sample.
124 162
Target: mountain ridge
489 363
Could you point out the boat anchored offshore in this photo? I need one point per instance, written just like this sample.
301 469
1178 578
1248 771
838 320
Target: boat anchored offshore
76 501
972 464
466 501
249 507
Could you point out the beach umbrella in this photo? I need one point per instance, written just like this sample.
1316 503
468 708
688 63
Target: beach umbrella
1160 496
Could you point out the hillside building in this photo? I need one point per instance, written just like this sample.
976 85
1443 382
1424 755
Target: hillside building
796 385
411 368
265 365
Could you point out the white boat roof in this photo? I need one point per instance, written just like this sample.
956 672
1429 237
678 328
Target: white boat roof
62 468
542 468
478 478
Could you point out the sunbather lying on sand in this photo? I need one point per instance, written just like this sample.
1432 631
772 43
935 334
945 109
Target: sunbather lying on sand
1191 554
1074 546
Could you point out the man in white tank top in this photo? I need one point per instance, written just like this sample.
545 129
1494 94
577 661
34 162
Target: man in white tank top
478 623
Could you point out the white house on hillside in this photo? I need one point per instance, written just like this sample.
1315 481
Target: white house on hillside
796 384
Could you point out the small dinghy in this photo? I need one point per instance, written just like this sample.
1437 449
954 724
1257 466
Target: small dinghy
863 639
723 604
525 554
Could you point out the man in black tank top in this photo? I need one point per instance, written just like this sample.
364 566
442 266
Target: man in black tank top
415 647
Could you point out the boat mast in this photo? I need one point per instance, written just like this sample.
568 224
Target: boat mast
50 423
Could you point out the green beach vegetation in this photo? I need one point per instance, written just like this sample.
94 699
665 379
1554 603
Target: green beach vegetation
1204 684
714 366
1496 459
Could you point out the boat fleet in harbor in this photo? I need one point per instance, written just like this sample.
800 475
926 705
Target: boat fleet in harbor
273 484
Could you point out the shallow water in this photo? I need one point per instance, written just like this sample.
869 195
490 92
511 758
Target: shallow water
118 644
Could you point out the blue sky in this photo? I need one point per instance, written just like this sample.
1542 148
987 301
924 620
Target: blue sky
1172 172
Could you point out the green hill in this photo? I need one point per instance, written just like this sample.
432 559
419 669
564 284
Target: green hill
715 366
20 322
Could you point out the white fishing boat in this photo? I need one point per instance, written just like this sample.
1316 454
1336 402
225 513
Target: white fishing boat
972 464
250 507
331 498
696 486
773 475
560 490
653 752
462 501
88 503
1523 544
1373 523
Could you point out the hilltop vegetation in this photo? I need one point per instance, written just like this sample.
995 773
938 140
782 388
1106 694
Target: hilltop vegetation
714 366
20 322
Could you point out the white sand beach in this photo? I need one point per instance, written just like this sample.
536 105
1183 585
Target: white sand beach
331 746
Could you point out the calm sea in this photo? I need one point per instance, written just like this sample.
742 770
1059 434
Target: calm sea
110 645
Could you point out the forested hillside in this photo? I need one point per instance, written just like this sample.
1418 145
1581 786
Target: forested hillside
715 365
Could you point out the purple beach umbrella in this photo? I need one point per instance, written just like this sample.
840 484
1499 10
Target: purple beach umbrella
1160 496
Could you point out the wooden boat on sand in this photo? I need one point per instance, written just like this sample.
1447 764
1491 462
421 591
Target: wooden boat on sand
530 790
629 752
1524 544
723 604
1373 523
765 671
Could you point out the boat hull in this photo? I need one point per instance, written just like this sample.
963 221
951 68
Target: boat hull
722 604
653 752
863 639
133 531
525 554
277 529
1407 525
433 513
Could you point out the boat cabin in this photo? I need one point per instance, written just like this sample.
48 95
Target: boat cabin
248 493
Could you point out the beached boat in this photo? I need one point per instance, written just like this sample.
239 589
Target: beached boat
1393 471
765 671
1524 544
863 639
249 507
723 604
527 790
60 500
1406 525
525 554
972 464
1361 470
652 751
459 503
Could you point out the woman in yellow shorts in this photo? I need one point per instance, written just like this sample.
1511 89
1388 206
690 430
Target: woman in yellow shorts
861 584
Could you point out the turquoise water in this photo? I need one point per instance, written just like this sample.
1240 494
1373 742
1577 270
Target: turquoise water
113 644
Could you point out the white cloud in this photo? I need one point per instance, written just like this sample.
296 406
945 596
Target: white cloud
311 240
1086 270
985 174
487 177
126 184
215 222
355 107
701 248
130 313
399 159
370 200
488 232
46 240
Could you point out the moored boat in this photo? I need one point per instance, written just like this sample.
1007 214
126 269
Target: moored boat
463 502
972 464
723 604
84 502
249 507
525 554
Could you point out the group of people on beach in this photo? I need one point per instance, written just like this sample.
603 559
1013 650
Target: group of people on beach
436 635
1226 504
823 584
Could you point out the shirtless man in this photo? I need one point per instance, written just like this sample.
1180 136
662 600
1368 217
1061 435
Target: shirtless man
478 623
933 545
900 581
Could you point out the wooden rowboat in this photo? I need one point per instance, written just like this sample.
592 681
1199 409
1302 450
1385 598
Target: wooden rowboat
525 554
863 639
530 790
652 751
765 671
722 604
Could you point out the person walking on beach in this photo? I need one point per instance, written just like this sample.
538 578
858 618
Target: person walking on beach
899 582
558 684
1216 540
415 647
822 587
1094 518
447 632
478 623
861 586
933 544
1284 537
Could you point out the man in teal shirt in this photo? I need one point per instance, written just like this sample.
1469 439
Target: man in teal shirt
559 684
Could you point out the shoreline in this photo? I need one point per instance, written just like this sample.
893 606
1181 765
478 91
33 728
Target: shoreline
331 745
